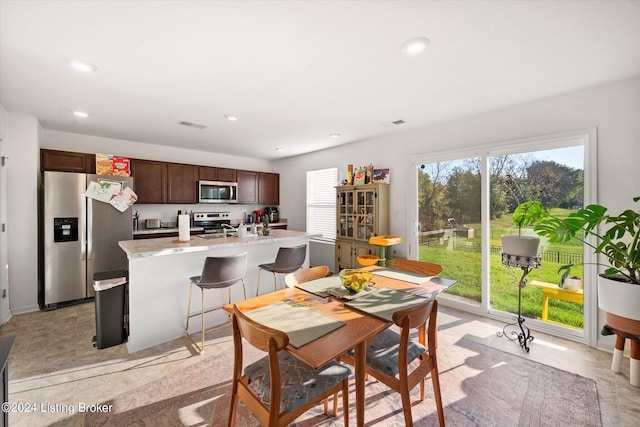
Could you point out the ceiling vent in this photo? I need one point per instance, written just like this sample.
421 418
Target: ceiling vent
191 125
398 122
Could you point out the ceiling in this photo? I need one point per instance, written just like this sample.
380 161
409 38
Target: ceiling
294 72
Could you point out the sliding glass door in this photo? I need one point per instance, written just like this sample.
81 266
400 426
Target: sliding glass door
465 203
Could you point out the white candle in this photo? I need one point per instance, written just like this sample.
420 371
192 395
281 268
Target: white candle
184 228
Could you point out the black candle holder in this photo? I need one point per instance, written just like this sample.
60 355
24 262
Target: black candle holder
526 264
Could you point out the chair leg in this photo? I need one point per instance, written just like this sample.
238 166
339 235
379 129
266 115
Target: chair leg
345 402
186 332
275 282
406 406
435 379
258 285
202 317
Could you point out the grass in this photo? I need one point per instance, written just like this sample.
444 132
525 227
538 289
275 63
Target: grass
465 267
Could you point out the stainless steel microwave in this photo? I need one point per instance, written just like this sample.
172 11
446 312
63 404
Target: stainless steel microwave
217 192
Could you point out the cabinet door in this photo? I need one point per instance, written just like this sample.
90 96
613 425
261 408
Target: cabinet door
181 183
247 186
227 175
345 215
344 254
150 180
67 161
208 173
268 188
365 214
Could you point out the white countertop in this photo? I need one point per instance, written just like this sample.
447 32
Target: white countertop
175 229
170 245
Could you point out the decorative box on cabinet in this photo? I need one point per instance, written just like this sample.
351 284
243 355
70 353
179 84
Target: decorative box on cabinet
362 212
210 173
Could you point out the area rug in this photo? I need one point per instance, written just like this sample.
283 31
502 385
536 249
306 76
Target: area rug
481 386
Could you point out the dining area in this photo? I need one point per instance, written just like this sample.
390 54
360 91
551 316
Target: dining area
318 336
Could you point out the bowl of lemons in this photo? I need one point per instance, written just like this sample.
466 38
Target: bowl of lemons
355 280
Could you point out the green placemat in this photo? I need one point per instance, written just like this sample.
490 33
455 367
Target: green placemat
405 276
319 286
298 321
385 302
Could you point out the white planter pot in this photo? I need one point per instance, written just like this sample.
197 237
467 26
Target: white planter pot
571 284
619 298
524 246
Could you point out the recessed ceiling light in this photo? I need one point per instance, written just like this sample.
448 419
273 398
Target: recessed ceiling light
335 135
231 118
80 114
279 149
82 66
415 45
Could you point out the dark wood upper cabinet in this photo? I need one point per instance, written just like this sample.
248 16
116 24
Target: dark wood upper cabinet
67 161
268 188
247 186
209 173
181 183
227 175
149 180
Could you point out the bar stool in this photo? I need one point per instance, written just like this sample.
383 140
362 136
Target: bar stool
288 260
217 273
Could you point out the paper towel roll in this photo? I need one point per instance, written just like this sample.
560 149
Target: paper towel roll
184 228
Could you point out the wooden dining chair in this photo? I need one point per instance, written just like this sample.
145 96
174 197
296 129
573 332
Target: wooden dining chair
390 354
413 266
306 275
278 388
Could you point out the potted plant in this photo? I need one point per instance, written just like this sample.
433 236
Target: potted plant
617 238
265 225
569 283
526 213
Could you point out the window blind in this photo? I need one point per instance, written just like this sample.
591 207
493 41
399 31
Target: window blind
321 202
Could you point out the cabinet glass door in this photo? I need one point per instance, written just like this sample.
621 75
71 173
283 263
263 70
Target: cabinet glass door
345 217
365 213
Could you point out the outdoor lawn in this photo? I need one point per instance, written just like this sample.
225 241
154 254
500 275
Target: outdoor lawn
460 258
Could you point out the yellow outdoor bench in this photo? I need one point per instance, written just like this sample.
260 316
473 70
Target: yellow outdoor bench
551 290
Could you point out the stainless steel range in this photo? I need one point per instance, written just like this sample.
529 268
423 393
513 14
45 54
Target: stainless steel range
212 222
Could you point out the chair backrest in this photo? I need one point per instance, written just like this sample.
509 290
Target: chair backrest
290 259
413 266
306 275
423 317
258 335
219 272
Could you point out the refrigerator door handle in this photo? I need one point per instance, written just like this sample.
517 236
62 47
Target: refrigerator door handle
89 253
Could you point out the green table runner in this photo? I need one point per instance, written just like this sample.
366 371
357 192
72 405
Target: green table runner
385 302
319 286
405 276
299 322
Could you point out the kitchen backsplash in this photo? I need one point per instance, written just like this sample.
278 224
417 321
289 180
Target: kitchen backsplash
169 213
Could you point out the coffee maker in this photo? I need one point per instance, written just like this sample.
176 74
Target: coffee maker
273 214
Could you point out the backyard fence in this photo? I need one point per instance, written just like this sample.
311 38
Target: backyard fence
467 246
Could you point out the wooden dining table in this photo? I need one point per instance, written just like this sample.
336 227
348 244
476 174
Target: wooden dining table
358 327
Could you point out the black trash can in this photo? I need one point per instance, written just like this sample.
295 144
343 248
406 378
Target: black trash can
110 287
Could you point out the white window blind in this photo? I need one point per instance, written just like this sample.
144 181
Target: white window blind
321 202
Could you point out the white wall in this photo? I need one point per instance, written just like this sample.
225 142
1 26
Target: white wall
22 211
5 313
613 108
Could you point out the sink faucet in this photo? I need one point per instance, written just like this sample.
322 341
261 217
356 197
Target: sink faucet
228 229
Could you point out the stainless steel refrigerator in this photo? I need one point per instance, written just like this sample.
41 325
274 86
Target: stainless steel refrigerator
80 236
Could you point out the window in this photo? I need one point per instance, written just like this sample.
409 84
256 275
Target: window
321 202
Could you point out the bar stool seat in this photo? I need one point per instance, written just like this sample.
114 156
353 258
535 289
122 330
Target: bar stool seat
287 261
217 273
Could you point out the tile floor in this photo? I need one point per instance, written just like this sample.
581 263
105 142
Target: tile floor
53 362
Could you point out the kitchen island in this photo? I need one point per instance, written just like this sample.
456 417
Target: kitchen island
159 272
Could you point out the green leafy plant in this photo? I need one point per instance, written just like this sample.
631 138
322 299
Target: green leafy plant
566 270
527 213
617 237
265 221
